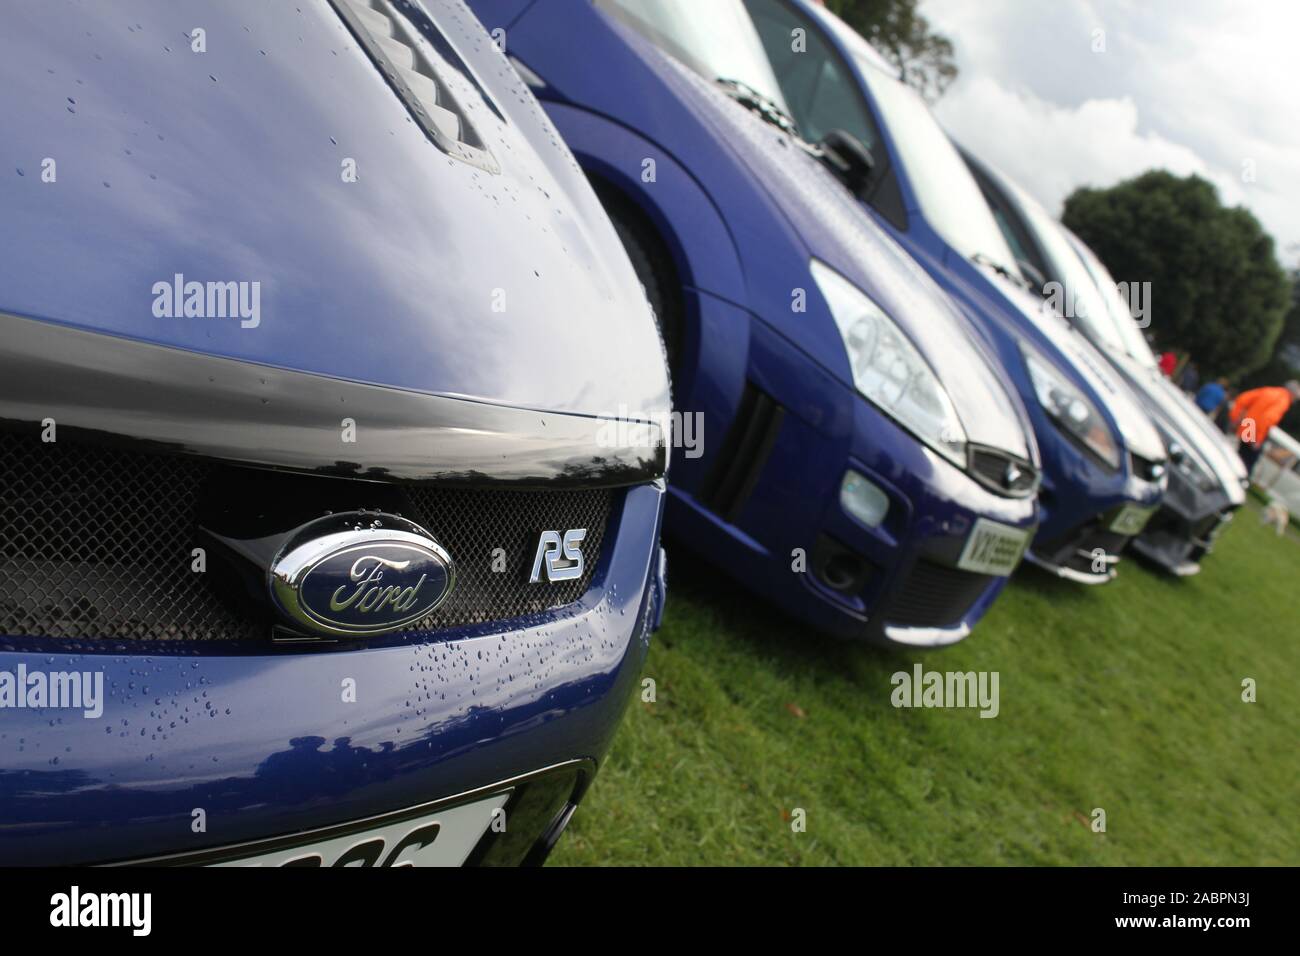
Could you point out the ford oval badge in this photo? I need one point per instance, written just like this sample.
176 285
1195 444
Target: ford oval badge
360 573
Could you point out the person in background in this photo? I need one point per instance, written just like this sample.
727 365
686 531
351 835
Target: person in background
1168 362
1256 412
1211 396
1190 379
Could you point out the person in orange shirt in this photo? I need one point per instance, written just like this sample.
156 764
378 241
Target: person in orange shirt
1255 413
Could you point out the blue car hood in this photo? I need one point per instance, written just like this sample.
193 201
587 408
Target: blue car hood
834 229
1135 427
132 158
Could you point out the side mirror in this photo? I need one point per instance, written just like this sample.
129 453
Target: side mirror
849 159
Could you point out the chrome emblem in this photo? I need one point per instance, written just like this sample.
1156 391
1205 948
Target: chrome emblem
360 573
1012 475
550 547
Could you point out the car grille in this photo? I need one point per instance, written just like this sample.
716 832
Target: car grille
935 595
98 542
991 468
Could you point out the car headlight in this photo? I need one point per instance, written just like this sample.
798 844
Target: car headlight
1071 410
1186 464
888 370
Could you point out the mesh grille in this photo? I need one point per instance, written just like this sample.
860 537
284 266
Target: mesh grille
94 544
937 596
97 542
472 523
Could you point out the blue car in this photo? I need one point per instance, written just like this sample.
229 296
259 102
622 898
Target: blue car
314 547
843 443
1103 461
1207 480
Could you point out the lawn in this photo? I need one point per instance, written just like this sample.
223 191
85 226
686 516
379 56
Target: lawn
1126 698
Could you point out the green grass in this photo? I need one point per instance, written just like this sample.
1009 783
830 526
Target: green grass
1126 697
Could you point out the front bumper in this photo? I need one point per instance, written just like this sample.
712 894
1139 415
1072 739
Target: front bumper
268 744
780 529
1078 539
1183 531
1088 553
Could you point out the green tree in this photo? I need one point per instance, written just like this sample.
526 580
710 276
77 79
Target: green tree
1217 291
922 57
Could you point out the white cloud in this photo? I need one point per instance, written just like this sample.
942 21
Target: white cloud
1051 150
1203 86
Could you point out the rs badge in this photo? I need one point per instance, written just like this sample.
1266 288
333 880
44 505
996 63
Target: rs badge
562 556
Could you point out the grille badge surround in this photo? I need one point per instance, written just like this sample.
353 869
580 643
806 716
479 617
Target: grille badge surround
360 573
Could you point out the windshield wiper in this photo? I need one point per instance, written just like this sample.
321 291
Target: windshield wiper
766 107
989 262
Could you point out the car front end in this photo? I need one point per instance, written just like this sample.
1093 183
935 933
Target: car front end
1207 481
1102 461
318 543
1104 466
1204 486
882 509
1203 493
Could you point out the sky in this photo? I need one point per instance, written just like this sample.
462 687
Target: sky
1064 93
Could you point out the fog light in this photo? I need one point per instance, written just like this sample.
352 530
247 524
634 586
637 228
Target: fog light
862 499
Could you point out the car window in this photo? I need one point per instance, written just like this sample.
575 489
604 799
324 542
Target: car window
818 86
1013 231
1080 295
716 38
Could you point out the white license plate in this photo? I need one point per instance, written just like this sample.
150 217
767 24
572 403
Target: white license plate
993 548
438 838
1131 519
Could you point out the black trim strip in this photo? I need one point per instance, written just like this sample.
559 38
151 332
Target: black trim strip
743 454
155 398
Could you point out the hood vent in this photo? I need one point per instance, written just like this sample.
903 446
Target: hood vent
392 42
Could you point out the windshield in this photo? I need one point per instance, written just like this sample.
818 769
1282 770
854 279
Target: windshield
945 190
715 38
1122 321
1081 299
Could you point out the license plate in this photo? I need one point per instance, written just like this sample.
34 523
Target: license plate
993 548
438 838
1131 519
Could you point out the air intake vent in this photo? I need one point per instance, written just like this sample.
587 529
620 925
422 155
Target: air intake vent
1003 473
1145 468
743 453
934 595
393 43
